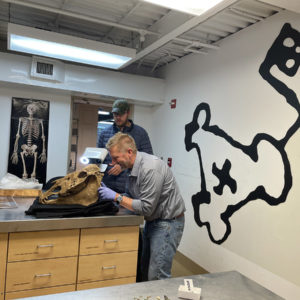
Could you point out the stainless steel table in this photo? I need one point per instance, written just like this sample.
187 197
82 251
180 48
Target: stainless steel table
15 220
215 286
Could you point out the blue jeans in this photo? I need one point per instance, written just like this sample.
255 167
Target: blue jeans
160 241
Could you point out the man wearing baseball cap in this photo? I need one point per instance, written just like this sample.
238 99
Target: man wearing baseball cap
115 176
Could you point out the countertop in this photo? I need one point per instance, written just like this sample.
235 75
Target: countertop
15 219
230 285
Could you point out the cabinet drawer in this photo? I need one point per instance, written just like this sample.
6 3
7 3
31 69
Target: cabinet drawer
104 283
107 266
40 273
40 292
43 244
107 240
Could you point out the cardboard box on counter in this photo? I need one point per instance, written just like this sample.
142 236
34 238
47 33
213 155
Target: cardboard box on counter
20 192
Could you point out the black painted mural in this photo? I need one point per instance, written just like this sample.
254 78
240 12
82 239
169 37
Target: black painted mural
284 54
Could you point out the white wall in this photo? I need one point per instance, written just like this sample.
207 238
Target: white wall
81 79
142 116
59 128
264 243
265 240
15 81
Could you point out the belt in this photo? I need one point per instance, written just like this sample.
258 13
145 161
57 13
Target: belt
179 216
158 219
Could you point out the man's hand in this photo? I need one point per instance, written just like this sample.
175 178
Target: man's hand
115 170
106 193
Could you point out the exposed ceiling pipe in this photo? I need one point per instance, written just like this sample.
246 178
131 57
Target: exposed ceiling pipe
198 44
242 13
80 16
182 29
168 55
137 5
193 48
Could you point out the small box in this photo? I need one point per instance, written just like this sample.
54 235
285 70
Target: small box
188 291
20 192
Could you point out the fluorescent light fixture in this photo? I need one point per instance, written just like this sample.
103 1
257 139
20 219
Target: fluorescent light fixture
194 7
102 112
65 47
105 122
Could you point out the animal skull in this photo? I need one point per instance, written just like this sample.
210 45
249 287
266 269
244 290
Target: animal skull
79 187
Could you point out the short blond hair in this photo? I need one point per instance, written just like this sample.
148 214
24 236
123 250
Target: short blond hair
122 141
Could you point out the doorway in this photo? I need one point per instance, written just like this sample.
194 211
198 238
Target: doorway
89 118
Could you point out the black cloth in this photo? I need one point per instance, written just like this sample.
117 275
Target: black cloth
99 208
50 182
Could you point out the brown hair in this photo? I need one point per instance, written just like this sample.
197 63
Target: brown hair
122 141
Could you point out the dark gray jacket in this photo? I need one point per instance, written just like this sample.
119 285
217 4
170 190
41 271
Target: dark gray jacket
143 144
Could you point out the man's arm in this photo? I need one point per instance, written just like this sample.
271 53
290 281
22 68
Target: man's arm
150 189
144 144
126 202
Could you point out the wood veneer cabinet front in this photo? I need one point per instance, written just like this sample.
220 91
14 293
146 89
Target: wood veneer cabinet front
109 240
105 283
36 274
40 292
107 256
107 266
46 262
3 252
41 262
43 244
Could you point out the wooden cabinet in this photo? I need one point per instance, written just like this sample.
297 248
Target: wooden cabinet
36 274
40 292
3 252
41 262
44 262
107 266
107 256
105 283
43 244
109 240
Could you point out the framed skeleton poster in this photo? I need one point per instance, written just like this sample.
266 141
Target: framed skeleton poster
29 139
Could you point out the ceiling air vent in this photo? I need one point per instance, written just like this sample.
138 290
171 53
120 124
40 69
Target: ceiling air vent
47 69
44 68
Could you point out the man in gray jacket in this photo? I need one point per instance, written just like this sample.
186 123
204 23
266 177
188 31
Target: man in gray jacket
154 193
115 176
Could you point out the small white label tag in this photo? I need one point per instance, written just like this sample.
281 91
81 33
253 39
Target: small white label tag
189 284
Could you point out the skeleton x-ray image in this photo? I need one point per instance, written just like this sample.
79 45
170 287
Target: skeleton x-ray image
239 173
29 139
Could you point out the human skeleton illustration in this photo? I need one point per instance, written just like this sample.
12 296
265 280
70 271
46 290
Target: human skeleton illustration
32 129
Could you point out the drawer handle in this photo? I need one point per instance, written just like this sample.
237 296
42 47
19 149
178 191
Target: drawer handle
110 267
45 246
43 275
110 241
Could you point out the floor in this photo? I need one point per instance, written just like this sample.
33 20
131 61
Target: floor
183 266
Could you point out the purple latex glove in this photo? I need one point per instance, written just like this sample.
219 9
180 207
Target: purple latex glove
106 193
